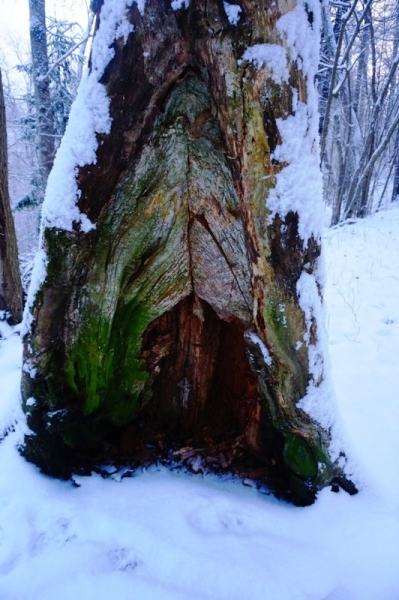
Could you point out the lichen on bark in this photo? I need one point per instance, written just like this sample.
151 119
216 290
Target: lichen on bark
178 316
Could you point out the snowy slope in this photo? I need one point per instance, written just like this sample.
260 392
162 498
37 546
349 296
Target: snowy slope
363 305
170 536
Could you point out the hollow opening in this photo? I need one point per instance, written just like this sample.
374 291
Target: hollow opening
205 411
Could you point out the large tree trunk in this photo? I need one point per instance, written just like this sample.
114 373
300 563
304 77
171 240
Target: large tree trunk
187 317
10 279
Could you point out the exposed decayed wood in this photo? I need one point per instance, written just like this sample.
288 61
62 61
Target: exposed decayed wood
143 338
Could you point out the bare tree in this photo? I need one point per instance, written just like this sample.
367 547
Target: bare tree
66 44
395 161
40 65
10 280
361 111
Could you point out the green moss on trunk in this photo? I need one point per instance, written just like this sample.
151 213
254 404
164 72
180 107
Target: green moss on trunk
137 320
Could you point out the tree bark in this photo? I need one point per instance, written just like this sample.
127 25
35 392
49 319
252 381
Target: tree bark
40 66
176 325
10 279
395 185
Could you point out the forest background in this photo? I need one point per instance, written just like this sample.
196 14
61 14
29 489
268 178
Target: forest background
358 103
65 543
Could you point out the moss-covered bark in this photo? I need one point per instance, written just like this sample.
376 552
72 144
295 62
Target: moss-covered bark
179 312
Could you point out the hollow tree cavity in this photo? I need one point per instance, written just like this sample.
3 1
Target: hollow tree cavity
176 325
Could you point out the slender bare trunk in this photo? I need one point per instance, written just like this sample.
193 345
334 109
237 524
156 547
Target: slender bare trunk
395 187
10 279
40 66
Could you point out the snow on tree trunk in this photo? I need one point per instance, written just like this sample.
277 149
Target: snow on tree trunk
176 299
10 279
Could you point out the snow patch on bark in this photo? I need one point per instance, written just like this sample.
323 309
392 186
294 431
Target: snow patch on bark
272 56
300 28
265 352
299 184
233 12
30 369
319 401
179 4
140 5
310 303
39 272
89 116
299 189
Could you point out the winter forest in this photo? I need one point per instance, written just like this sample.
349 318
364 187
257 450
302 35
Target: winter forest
199 285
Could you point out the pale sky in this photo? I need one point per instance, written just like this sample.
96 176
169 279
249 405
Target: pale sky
14 24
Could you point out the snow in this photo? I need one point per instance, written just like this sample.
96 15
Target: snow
310 302
39 272
233 12
298 188
271 55
265 352
140 5
10 374
319 401
299 184
89 116
5 328
173 536
299 35
362 263
180 4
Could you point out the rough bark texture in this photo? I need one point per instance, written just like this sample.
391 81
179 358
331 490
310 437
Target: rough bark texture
395 187
40 65
151 331
10 279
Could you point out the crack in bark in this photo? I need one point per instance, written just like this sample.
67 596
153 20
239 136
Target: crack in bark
158 193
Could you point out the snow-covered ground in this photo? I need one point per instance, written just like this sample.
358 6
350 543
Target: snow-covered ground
169 536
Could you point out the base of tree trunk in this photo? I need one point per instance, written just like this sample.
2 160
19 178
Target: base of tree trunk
175 330
205 414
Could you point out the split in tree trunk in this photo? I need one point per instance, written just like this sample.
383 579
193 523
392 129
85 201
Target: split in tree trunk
175 325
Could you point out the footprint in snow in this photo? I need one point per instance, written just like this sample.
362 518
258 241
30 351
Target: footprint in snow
56 535
123 559
9 564
210 519
339 593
